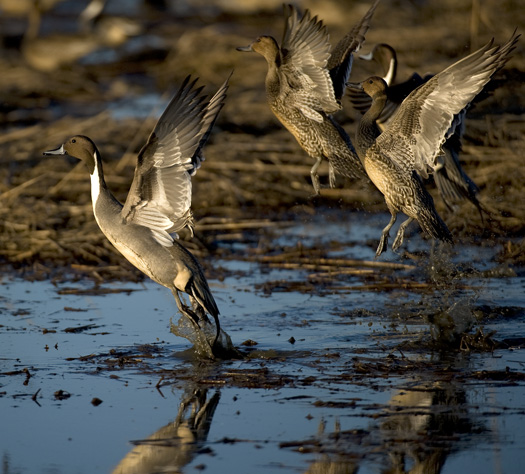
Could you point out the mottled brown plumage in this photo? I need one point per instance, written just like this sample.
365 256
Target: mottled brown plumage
304 85
409 147
453 184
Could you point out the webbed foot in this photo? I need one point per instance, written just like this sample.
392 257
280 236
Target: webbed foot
383 244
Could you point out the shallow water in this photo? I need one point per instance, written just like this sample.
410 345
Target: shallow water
345 374
339 379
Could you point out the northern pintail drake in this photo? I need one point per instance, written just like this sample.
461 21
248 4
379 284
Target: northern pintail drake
452 182
409 147
304 86
158 203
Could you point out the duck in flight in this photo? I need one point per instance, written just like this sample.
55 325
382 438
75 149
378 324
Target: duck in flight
158 204
304 86
409 148
452 182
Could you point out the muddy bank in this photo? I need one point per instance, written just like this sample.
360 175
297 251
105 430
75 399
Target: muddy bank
255 174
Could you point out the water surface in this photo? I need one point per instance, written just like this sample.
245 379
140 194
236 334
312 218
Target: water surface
339 379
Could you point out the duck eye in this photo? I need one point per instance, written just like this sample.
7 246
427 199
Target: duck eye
370 81
73 141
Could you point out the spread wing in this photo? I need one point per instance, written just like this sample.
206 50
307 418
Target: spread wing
160 194
420 126
340 62
305 80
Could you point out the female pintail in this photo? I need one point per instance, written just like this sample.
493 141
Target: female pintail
452 182
409 147
304 86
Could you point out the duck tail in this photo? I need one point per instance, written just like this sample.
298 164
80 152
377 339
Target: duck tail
197 287
202 294
424 211
433 225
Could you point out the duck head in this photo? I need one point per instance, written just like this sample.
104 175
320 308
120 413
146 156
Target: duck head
79 147
374 86
385 56
264 45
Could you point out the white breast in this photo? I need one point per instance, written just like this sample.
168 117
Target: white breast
95 185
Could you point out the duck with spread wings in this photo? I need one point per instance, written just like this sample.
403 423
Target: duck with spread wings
304 86
158 204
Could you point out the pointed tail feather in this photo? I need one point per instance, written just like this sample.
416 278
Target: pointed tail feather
433 225
453 183
197 286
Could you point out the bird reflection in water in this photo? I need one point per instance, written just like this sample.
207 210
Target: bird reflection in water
176 444
423 423
420 428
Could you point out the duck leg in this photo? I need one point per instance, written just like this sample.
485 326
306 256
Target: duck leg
198 310
401 234
189 313
315 176
331 175
383 243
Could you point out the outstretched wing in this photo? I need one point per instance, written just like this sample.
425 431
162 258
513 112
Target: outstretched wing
418 129
305 50
160 194
340 62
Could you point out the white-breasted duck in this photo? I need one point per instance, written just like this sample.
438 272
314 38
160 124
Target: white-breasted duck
409 147
159 201
304 86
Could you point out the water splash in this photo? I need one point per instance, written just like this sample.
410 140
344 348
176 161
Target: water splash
203 339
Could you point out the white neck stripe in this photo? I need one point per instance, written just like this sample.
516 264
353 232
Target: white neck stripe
390 74
95 183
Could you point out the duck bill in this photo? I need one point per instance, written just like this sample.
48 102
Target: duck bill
355 86
367 57
245 49
57 151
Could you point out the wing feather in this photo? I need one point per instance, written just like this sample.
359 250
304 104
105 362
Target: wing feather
161 191
419 126
340 61
305 50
